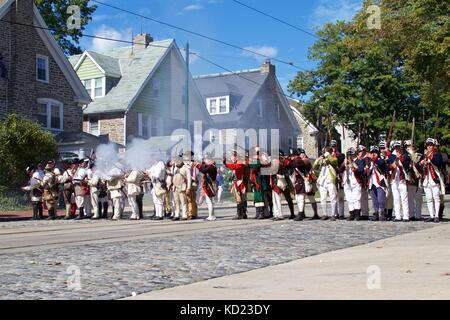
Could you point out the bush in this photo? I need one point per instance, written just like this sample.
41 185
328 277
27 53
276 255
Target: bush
14 200
22 143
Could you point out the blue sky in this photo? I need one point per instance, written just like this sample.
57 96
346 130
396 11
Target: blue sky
228 21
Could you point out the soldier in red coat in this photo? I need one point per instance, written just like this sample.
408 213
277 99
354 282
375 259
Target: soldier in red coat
238 187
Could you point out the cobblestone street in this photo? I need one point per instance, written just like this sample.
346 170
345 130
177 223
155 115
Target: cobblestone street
107 260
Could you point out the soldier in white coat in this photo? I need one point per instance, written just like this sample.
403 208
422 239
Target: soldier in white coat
115 188
352 180
415 188
399 176
327 182
157 174
81 189
133 181
35 189
93 182
433 182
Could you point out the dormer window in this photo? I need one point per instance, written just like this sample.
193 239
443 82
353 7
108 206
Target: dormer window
218 105
95 87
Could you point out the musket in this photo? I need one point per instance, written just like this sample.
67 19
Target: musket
405 130
436 125
359 134
413 131
424 129
391 129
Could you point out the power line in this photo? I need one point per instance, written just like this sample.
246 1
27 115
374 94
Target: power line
199 34
276 19
236 73
151 45
86 35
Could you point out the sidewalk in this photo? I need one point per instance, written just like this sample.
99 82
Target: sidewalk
412 266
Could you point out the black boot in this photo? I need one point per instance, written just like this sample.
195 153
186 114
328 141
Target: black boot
351 216
376 217
35 212
300 217
105 210
383 216
357 215
389 214
51 214
81 214
441 212
239 214
244 214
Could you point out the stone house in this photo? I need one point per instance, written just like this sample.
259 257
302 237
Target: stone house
36 79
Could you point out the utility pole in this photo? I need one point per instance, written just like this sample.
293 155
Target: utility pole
187 87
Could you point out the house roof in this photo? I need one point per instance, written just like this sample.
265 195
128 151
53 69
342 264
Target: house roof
136 67
81 138
109 66
81 95
294 107
241 86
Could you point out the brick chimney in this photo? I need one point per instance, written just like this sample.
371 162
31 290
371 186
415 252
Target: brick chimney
268 67
142 40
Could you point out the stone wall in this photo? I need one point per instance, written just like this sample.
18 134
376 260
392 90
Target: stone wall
19 46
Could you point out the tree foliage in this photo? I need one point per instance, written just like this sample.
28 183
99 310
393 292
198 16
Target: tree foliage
22 143
364 75
56 15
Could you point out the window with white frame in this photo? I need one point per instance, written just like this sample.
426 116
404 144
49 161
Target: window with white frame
291 142
143 125
95 87
217 136
50 114
156 87
300 143
260 108
94 127
149 126
42 69
218 105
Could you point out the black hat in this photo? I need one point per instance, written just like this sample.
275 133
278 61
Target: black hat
374 149
431 142
301 151
351 152
30 169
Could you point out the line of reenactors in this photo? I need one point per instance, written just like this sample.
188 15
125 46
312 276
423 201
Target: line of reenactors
394 177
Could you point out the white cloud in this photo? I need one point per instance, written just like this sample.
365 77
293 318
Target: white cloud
193 7
268 51
108 32
333 10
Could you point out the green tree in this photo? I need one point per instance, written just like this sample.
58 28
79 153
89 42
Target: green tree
56 15
22 143
364 75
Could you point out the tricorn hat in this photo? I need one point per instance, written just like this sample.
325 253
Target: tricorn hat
351 152
374 149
